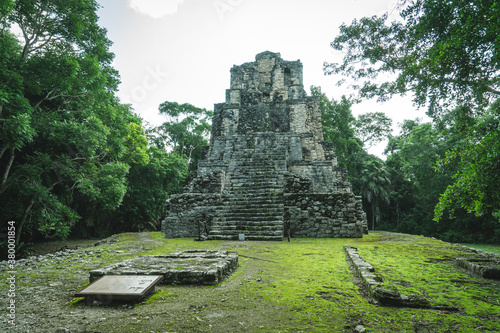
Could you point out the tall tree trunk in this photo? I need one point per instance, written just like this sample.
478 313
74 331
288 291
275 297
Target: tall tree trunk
7 170
23 220
397 216
373 215
2 151
28 211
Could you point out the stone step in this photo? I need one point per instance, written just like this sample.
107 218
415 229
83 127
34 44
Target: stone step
256 208
270 232
262 177
235 236
252 181
242 199
244 226
254 193
252 171
253 208
260 169
249 237
238 220
249 228
242 196
271 154
245 199
252 211
269 166
253 184
228 220
257 198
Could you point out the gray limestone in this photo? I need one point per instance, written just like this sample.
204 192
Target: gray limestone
267 167
200 267
486 267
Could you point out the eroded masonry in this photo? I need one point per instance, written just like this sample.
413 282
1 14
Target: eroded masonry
267 173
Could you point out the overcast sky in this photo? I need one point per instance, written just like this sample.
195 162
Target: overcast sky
182 50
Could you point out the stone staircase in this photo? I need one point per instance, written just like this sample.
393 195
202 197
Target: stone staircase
254 205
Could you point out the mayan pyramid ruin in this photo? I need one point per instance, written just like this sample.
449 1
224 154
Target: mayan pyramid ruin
267 173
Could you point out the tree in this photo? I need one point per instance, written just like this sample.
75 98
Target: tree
445 52
418 178
478 158
375 186
186 131
149 186
372 127
63 132
412 157
338 128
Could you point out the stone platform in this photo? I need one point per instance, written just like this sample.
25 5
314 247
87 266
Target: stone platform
199 267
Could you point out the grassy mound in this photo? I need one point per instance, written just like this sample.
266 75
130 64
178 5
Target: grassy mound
302 286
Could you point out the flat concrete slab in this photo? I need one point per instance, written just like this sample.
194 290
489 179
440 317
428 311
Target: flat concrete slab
120 287
199 267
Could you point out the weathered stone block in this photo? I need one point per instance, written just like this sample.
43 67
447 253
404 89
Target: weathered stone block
488 268
186 267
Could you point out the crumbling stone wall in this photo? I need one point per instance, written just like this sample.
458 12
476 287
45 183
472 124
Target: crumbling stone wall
190 214
322 215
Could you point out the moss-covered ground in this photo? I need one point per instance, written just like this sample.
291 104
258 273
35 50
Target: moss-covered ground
302 286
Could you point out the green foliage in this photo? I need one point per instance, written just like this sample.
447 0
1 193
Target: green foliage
417 185
186 131
446 53
375 185
70 153
478 158
136 145
339 129
372 127
149 187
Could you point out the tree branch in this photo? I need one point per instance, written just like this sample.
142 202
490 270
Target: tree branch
7 170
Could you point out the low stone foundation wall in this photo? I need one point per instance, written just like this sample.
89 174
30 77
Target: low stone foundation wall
488 268
385 295
199 267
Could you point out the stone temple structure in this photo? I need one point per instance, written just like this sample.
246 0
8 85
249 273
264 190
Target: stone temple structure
268 173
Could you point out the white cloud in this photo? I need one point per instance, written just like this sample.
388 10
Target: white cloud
155 8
